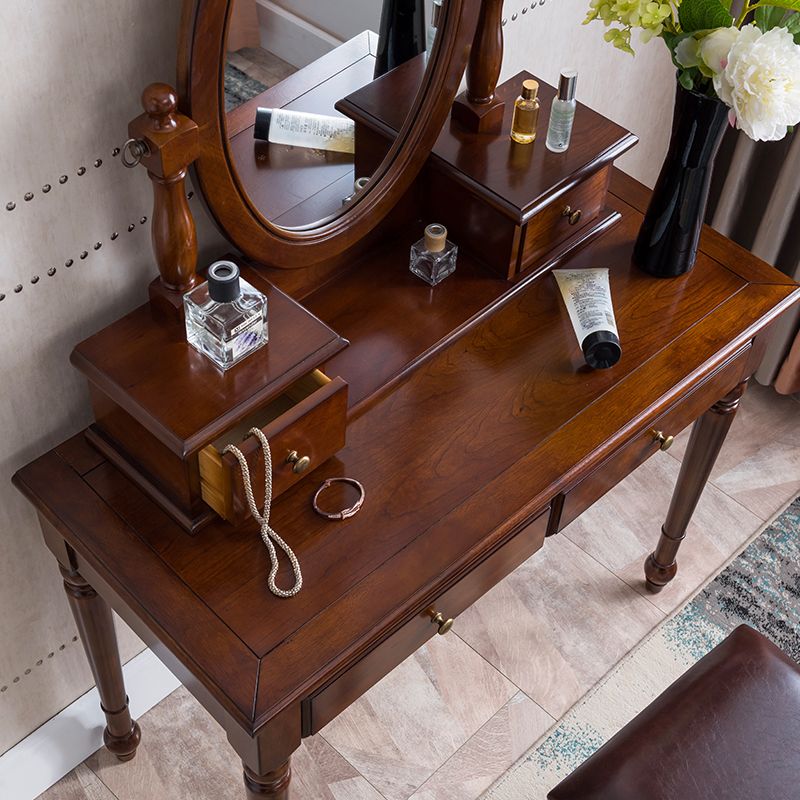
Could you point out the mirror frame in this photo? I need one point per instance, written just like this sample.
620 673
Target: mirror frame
201 54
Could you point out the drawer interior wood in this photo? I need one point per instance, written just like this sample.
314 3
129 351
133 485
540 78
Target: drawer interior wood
323 706
308 418
672 422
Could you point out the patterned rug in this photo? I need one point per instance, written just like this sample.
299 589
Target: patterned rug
240 87
759 587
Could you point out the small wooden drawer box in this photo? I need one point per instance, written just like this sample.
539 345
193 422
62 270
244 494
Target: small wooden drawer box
513 205
141 370
305 425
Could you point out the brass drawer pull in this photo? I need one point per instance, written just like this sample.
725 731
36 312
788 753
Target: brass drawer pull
574 217
300 464
443 624
664 442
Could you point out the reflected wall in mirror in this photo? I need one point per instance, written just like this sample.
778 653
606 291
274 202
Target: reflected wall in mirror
290 67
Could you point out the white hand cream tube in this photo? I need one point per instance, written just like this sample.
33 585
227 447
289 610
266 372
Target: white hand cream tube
587 296
301 129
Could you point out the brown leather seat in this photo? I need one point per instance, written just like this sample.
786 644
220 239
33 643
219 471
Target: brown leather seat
728 729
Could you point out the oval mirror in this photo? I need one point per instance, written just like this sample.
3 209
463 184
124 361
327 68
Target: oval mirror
294 166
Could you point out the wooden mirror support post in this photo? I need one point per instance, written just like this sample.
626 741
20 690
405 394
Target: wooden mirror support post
166 143
478 109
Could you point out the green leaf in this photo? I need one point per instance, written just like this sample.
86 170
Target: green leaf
789 5
792 23
672 40
685 79
769 17
700 15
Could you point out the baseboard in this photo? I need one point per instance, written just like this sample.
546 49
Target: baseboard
291 37
42 758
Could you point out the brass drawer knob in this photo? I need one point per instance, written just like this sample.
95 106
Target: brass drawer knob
443 624
301 464
574 217
664 442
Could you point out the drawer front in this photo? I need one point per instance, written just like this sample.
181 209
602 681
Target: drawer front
314 428
323 706
551 225
624 461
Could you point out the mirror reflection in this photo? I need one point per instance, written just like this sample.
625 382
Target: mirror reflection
301 119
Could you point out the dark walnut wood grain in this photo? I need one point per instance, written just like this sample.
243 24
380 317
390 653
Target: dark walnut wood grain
502 201
96 627
704 445
473 424
172 142
478 109
157 401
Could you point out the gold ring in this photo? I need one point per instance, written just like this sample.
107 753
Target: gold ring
345 513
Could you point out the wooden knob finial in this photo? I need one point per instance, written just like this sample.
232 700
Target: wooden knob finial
171 141
160 102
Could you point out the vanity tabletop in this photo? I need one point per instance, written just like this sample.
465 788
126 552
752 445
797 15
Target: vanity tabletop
472 411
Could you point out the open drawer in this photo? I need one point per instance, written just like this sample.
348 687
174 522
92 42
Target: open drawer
305 425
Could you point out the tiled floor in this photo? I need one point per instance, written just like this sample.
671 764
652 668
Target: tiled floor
261 65
453 717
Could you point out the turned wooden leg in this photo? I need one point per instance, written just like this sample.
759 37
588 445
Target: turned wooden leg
96 628
273 785
708 434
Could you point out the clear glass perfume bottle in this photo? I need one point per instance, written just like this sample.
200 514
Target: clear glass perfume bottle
562 113
433 257
226 318
526 113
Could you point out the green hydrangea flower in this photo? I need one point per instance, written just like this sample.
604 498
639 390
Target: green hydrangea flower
651 17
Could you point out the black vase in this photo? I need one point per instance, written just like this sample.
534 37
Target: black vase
402 34
667 242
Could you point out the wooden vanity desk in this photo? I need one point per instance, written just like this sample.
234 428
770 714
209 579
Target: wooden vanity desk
465 410
476 431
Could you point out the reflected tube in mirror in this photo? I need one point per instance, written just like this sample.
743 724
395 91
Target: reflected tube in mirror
303 129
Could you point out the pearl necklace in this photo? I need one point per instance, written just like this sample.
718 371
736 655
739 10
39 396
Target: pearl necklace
267 533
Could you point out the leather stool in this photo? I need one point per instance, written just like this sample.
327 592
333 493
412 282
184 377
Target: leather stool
728 729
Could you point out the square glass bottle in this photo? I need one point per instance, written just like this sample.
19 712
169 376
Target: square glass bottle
226 317
433 257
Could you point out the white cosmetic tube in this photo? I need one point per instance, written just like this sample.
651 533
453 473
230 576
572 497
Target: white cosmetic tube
301 129
587 296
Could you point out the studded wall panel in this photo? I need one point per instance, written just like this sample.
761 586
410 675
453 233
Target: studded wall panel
74 254
546 36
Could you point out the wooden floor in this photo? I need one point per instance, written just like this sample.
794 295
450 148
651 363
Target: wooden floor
261 65
453 717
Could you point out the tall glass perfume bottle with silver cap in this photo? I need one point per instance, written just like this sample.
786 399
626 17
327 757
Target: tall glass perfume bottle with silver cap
433 257
226 318
562 112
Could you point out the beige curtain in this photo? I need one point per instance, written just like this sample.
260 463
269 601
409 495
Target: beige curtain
243 26
755 200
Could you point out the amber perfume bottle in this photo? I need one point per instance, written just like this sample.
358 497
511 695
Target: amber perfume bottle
526 113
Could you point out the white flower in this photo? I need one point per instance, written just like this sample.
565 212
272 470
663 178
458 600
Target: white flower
715 47
760 81
687 53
